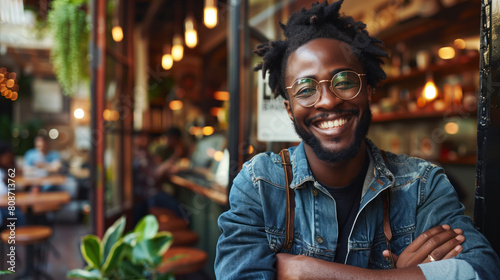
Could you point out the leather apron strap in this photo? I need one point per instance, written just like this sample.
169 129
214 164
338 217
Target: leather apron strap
290 200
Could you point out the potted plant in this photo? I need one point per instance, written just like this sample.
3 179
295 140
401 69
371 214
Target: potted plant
136 255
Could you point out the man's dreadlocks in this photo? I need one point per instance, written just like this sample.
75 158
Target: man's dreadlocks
320 21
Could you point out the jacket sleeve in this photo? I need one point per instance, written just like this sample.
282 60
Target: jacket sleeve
243 249
440 205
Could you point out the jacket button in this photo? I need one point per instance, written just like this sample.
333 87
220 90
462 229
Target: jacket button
315 192
319 239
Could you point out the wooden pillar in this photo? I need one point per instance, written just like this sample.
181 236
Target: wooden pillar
98 63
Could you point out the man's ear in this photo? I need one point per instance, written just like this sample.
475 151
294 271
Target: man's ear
288 107
370 91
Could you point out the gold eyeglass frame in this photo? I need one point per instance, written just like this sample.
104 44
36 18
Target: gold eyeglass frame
330 87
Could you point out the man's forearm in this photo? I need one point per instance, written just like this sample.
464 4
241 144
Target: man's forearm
303 267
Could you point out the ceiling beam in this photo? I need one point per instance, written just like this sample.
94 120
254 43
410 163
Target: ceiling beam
153 9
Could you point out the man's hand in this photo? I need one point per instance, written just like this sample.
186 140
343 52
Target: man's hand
438 243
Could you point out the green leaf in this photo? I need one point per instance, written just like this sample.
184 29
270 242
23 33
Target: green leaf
161 242
80 273
131 270
115 256
130 238
146 228
4 272
112 235
147 250
91 250
166 276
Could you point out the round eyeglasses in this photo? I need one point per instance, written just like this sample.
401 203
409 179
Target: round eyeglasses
346 85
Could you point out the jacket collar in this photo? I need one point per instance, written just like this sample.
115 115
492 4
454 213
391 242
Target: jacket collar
378 176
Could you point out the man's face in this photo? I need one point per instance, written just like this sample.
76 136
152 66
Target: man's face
332 128
41 145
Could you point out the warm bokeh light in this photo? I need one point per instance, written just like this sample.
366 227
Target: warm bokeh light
177 48
430 90
110 115
53 133
446 53
421 102
451 128
221 95
218 155
79 113
175 105
117 33
210 17
195 130
215 111
459 44
250 149
210 13
166 61
191 36
457 94
208 130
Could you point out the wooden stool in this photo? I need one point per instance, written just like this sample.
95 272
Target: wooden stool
172 224
190 260
29 236
184 237
158 211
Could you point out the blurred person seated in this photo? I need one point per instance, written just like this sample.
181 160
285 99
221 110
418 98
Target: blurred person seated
147 181
40 161
7 166
169 154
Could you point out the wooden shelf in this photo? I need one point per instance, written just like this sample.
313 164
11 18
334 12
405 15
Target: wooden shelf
463 18
454 66
402 116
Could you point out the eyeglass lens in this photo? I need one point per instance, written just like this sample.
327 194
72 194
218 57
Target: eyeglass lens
345 85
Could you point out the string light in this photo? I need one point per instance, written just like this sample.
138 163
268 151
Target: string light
175 105
166 60
446 53
117 33
430 90
210 13
191 36
177 48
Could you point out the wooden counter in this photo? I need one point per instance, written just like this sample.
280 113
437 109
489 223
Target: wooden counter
214 192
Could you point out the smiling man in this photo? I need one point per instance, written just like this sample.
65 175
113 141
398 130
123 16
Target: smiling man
343 184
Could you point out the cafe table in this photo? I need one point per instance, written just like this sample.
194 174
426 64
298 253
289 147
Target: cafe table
29 199
22 182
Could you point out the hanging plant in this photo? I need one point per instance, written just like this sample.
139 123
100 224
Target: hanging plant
67 20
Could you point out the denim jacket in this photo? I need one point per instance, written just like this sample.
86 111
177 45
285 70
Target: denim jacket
253 229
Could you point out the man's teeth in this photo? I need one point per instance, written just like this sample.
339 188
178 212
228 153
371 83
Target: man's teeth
331 124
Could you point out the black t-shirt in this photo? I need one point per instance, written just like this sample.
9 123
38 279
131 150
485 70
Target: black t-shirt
347 199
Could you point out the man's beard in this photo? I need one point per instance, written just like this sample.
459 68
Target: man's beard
330 156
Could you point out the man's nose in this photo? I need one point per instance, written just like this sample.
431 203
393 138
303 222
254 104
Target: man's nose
327 99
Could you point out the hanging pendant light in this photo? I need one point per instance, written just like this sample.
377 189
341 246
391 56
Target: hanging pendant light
210 13
167 61
117 33
191 36
177 48
430 89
